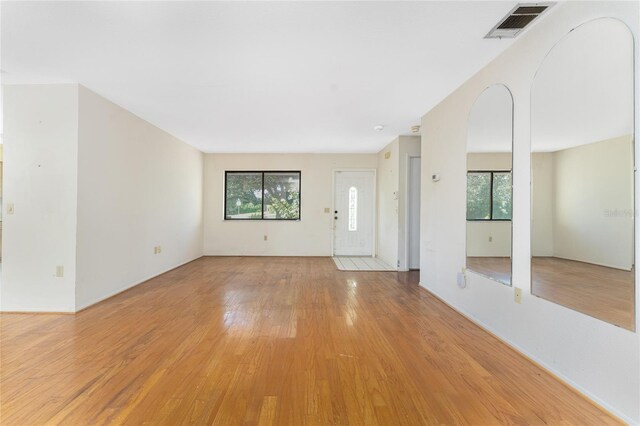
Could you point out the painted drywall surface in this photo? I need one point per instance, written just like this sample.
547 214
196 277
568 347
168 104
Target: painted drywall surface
493 161
409 146
489 238
598 358
311 236
392 199
138 188
40 175
388 182
593 203
542 207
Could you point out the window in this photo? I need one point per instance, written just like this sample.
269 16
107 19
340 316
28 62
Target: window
353 209
262 195
489 195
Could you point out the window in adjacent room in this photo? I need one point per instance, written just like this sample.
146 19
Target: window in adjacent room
489 195
262 195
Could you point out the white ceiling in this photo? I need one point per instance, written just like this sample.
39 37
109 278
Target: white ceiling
258 76
583 91
490 125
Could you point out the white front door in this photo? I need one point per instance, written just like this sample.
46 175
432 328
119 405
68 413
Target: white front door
353 213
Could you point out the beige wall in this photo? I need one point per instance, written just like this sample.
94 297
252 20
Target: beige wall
489 161
489 239
311 236
542 203
593 201
138 187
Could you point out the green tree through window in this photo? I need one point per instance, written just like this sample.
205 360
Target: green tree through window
262 195
489 196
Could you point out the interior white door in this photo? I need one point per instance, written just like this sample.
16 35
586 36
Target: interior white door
353 213
414 212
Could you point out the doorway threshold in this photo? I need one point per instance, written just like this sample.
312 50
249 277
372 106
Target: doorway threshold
361 263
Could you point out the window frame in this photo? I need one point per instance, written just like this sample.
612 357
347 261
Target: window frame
262 173
491 219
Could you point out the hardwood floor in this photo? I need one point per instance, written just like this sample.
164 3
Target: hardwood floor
273 341
497 268
598 291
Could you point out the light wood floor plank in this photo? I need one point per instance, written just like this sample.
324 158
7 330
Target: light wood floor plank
272 341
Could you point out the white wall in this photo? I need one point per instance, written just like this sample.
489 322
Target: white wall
591 183
40 180
138 187
410 146
311 236
95 189
598 358
388 188
392 199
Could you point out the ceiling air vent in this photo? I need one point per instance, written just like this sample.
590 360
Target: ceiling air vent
518 19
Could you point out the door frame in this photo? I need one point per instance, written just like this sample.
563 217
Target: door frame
404 263
374 206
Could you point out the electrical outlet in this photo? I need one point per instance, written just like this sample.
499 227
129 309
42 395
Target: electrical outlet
461 278
10 208
60 271
266 238
517 295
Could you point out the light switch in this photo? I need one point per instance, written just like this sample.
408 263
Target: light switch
10 208
327 210
59 271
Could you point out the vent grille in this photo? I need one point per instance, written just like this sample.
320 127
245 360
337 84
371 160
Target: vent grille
529 10
517 20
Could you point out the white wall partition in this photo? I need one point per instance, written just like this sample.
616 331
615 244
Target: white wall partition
40 183
94 191
138 188
393 170
597 358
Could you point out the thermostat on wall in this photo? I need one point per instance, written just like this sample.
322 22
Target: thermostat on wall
435 177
